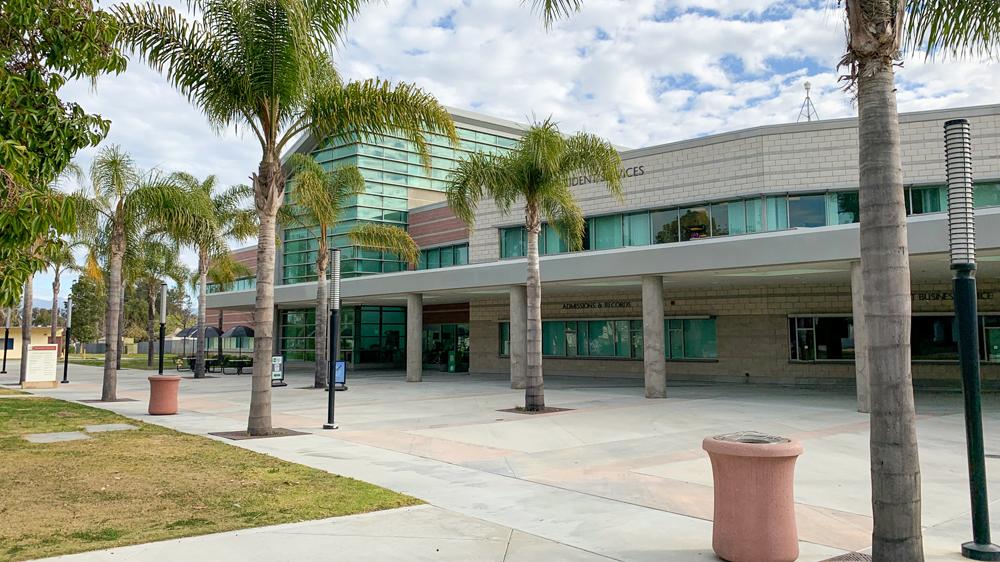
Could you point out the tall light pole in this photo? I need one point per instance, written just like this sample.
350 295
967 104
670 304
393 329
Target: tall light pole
163 321
6 339
962 243
66 331
334 337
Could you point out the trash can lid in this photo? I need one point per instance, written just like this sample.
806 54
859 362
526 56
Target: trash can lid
751 437
752 444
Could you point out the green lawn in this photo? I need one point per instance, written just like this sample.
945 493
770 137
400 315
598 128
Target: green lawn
130 361
149 484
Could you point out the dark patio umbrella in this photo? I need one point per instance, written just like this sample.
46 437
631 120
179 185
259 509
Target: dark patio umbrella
238 332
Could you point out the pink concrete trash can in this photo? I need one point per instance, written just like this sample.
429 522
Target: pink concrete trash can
754 478
163 394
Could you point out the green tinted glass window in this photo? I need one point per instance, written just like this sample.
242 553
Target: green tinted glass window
606 232
512 242
505 338
986 195
695 223
462 254
664 226
637 229
601 337
777 212
554 338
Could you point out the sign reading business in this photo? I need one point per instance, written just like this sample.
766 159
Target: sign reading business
631 172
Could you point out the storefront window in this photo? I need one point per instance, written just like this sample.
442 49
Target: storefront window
842 208
637 229
601 340
512 243
986 195
505 338
777 212
755 214
550 242
694 223
927 200
606 232
664 226
554 338
806 211
934 338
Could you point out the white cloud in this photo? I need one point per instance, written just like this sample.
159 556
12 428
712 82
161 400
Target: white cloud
639 72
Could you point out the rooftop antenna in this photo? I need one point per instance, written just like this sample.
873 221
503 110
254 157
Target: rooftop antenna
808 110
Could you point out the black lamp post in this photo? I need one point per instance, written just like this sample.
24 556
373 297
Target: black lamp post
163 321
6 339
334 337
66 331
962 242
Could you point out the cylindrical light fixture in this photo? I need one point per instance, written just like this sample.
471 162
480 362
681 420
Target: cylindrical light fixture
961 215
335 279
69 313
962 241
163 303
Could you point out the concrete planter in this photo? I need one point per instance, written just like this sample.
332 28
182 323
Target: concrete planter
163 394
754 477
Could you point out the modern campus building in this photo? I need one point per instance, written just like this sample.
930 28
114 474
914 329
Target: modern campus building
736 252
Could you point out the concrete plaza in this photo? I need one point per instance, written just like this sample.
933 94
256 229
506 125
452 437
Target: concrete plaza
619 477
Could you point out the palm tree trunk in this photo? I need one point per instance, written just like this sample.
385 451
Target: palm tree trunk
534 391
267 198
26 327
150 305
199 362
885 266
322 318
109 391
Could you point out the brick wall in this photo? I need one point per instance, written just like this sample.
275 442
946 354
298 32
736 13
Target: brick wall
436 226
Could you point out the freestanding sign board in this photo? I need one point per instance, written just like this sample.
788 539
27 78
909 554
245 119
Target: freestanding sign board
278 371
340 376
41 371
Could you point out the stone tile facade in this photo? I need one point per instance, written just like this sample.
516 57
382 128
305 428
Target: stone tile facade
752 332
817 156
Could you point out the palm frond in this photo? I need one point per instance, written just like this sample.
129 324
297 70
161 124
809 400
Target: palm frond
553 10
953 28
387 239
594 156
226 269
374 108
481 175
564 215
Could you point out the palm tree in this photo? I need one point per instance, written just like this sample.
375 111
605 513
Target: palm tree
60 260
119 208
319 197
536 172
227 220
264 65
876 30
158 260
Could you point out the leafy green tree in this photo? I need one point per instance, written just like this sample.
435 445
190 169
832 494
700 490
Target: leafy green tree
319 197
42 45
89 302
263 65
227 219
121 207
536 174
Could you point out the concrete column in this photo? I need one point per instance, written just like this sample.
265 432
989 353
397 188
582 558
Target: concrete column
653 356
860 340
414 337
518 336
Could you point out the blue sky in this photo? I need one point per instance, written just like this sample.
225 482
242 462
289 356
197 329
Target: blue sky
638 72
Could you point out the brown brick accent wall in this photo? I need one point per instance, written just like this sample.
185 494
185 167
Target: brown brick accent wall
436 227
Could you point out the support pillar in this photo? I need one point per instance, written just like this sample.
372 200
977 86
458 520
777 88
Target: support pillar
414 337
860 340
653 355
518 336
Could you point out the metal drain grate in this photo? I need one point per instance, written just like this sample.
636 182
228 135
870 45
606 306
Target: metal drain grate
850 556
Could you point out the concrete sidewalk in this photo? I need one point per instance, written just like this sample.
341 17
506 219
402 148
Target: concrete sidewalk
618 477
